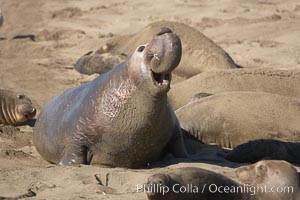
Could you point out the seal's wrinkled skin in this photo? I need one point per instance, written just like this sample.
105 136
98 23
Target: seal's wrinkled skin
121 118
15 108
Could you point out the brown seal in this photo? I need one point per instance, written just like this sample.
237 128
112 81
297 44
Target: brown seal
257 150
283 82
233 118
15 108
271 179
200 53
121 118
98 63
192 183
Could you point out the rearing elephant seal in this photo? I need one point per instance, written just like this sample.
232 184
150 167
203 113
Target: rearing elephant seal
121 118
15 108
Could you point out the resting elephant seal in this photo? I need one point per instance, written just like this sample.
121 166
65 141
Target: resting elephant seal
282 82
233 118
201 53
98 63
121 118
271 179
192 183
15 108
257 150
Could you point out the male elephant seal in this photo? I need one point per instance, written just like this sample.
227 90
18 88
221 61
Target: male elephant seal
257 150
121 118
271 179
192 183
15 108
233 118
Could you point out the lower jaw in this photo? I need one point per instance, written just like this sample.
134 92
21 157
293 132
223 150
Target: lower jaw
161 81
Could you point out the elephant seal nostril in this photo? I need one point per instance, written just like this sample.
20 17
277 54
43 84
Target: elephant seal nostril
164 30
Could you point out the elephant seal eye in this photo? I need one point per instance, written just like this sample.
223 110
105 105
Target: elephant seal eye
262 168
21 96
141 48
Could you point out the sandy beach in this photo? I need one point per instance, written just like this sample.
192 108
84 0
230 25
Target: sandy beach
256 34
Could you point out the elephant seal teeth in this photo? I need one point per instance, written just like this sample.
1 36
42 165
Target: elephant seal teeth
160 79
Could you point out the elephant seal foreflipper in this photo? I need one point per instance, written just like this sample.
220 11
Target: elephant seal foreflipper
15 108
272 179
198 183
233 118
121 118
29 193
1 18
257 150
200 95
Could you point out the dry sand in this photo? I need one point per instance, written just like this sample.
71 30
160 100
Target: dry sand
258 33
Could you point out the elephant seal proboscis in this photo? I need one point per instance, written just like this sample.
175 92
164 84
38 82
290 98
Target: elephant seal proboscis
256 150
121 118
192 183
233 118
15 108
271 179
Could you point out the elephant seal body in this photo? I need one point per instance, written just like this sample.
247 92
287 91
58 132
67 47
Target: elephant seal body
272 179
282 82
15 108
192 183
257 150
121 118
233 118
